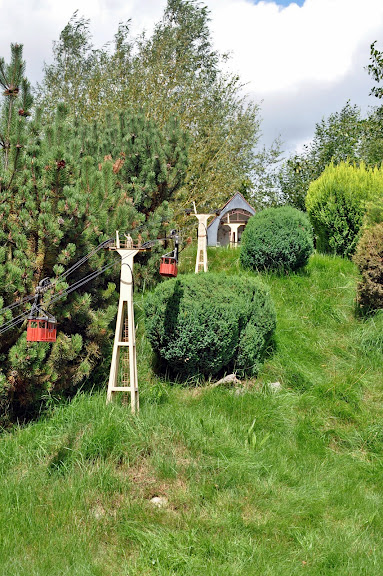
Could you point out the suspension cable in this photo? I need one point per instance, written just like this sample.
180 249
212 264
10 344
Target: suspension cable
60 278
80 283
12 323
82 260
17 303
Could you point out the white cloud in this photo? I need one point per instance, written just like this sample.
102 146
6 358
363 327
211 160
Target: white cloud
37 23
276 49
302 62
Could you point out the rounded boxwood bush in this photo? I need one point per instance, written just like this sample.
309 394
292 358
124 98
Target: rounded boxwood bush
277 239
201 325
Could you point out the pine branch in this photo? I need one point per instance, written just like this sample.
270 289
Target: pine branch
3 76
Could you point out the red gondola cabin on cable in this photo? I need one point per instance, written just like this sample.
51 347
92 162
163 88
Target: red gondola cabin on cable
41 325
41 329
168 265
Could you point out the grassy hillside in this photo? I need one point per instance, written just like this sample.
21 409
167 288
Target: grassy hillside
256 481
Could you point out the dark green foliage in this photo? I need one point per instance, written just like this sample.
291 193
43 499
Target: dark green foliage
206 323
369 259
149 162
277 239
337 202
74 187
56 208
13 114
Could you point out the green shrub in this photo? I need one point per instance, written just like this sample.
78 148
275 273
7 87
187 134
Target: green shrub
369 259
336 203
277 239
200 325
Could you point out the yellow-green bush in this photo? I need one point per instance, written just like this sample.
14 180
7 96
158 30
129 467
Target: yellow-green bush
336 203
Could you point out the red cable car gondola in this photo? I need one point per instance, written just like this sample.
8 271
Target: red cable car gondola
41 325
41 329
168 267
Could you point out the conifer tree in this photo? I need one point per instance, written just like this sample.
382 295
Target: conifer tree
74 187
15 111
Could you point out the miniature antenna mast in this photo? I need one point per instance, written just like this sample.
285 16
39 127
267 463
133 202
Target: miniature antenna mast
123 378
201 260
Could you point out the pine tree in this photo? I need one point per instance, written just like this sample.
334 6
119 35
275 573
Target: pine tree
14 114
74 187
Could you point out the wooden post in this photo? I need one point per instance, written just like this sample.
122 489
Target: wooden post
125 336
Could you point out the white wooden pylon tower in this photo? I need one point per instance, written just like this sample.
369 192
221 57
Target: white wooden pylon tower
123 369
201 260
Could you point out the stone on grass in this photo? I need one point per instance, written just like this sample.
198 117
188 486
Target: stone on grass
159 501
275 386
229 379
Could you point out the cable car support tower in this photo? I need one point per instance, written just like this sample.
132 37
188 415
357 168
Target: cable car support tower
201 260
123 369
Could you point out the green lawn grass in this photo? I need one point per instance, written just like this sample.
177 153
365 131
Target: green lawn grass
257 482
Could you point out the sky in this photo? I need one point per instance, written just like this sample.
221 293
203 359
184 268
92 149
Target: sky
300 60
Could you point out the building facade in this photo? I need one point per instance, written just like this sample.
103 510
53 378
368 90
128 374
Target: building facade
226 229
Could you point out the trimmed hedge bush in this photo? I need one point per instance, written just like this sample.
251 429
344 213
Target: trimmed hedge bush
336 203
369 259
200 325
277 239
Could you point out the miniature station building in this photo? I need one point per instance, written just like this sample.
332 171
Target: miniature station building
226 229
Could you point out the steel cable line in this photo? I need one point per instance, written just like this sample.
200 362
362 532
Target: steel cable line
77 264
59 278
12 323
82 260
17 303
83 281
79 283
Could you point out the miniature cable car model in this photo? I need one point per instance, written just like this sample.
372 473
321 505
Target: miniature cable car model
41 326
169 261
168 266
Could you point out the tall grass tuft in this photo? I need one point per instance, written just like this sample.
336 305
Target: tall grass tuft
252 479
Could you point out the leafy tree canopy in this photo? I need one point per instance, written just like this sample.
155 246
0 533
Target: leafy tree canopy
342 137
173 73
375 69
